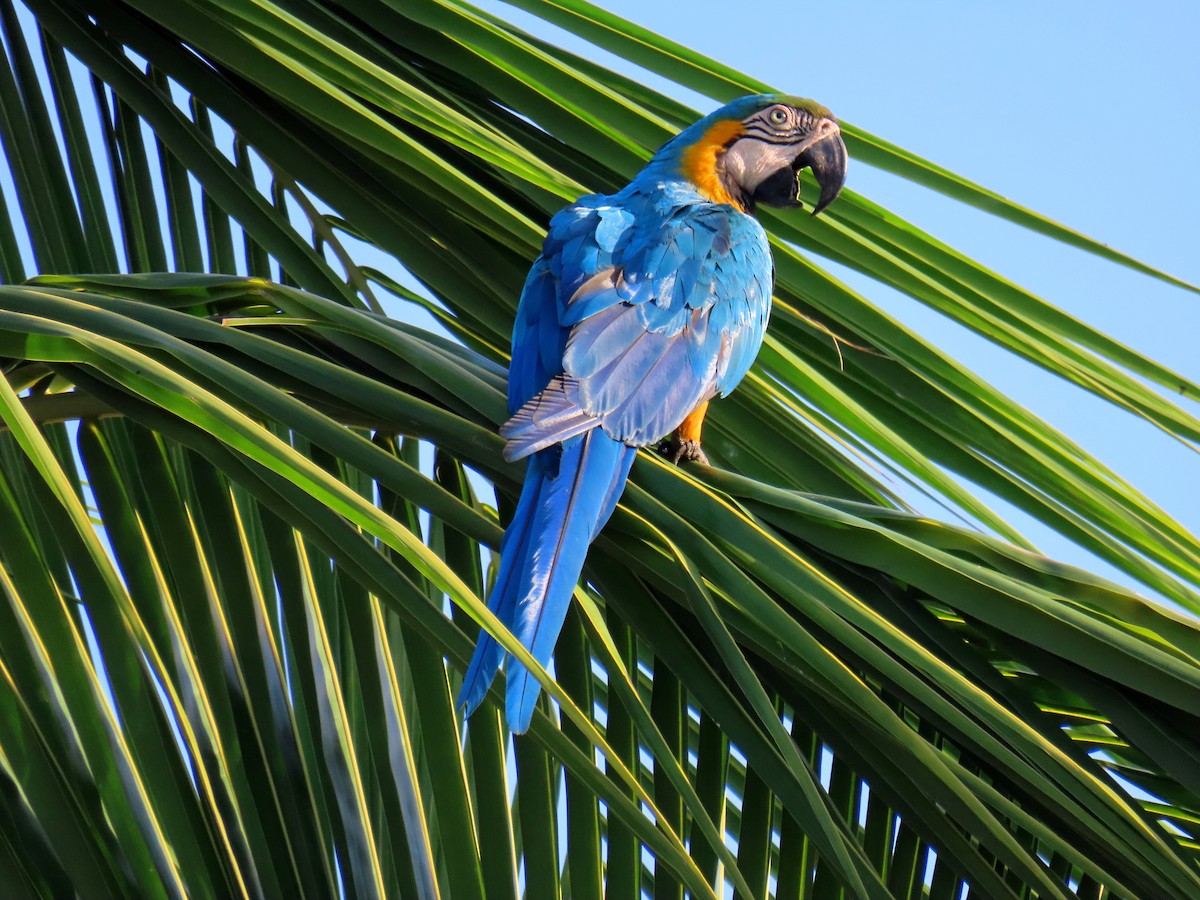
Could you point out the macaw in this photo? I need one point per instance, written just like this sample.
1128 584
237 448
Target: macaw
643 306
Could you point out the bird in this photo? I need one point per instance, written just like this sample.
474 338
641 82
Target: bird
643 306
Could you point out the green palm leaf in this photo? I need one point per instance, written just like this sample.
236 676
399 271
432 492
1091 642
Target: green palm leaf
250 520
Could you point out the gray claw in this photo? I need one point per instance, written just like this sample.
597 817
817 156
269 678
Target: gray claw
678 451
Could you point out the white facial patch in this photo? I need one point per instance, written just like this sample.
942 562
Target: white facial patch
749 161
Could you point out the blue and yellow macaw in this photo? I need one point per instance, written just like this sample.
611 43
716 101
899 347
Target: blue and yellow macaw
643 306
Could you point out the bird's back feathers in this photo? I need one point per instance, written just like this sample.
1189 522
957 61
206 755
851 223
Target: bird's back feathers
643 305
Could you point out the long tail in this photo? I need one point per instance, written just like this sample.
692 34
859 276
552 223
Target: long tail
567 498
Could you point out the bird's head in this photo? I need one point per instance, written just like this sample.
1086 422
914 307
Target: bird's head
752 151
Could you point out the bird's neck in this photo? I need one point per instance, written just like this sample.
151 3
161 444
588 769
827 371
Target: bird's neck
698 159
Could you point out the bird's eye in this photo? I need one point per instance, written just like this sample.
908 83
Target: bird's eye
777 116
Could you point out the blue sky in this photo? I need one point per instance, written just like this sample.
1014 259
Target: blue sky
1084 112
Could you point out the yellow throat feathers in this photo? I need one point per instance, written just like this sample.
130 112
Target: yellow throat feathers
699 162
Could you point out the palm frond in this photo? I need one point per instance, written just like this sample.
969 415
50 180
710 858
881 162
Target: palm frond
250 519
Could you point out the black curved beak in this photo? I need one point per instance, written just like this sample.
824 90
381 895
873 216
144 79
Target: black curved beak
827 159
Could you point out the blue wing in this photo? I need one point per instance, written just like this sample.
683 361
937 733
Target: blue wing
641 308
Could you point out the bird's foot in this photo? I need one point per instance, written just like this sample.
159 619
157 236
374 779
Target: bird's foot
678 450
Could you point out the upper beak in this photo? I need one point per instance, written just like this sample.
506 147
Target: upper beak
826 157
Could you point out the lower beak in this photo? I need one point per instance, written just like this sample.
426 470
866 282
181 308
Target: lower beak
827 159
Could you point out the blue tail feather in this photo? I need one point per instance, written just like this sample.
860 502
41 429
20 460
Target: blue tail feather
565 502
514 547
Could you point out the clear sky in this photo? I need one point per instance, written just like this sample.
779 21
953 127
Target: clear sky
1086 112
